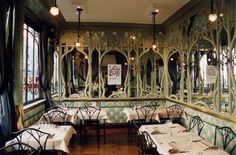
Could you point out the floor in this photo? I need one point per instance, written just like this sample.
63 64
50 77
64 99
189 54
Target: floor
117 143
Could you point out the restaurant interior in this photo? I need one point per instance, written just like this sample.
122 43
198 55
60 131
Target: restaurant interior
84 77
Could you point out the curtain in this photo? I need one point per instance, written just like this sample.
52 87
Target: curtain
45 65
6 69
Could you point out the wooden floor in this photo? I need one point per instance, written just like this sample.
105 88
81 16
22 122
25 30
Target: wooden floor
117 143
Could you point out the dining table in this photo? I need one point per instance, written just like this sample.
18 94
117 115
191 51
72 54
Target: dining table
58 141
175 139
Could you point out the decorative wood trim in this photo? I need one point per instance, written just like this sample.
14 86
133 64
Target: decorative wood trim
188 105
204 110
111 26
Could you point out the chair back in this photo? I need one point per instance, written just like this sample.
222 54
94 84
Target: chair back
145 112
38 138
227 136
174 111
146 142
196 122
55 115
89 112
19 149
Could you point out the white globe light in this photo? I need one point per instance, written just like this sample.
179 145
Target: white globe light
54 10
77 44
212 17
154 46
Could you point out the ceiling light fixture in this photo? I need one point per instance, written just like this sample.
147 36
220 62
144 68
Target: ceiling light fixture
154 46
54 10
79 9
213 16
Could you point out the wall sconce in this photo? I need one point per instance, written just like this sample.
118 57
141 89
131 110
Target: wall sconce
154 46
213 16
54 10
79 9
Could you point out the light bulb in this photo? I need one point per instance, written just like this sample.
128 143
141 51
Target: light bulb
54 10
154 46
212 17
77 44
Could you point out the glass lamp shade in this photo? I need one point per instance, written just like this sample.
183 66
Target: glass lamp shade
77 44
54 10
154 46
212 17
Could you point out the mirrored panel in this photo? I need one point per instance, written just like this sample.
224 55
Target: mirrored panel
95 71
74 71
118 65
203 63
203 68
151 73
174 69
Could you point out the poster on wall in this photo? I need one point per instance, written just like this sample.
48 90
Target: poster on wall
211 74
114 74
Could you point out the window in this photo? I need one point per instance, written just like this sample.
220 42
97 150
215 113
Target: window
30 65
54 86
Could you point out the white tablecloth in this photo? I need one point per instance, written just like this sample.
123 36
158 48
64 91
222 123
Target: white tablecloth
59 140
172 137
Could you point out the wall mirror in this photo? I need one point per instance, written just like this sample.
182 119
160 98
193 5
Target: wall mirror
74 72
151 73
203 65
174 70
203 71
114 90
95 73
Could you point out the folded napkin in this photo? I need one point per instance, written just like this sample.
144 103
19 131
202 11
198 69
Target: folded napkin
155 132
212 148
172 148
185 130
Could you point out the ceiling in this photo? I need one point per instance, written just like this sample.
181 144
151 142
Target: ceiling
119 11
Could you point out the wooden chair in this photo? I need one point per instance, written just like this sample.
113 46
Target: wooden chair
227 135
90 121
19 148
146 144
196 122
174 113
